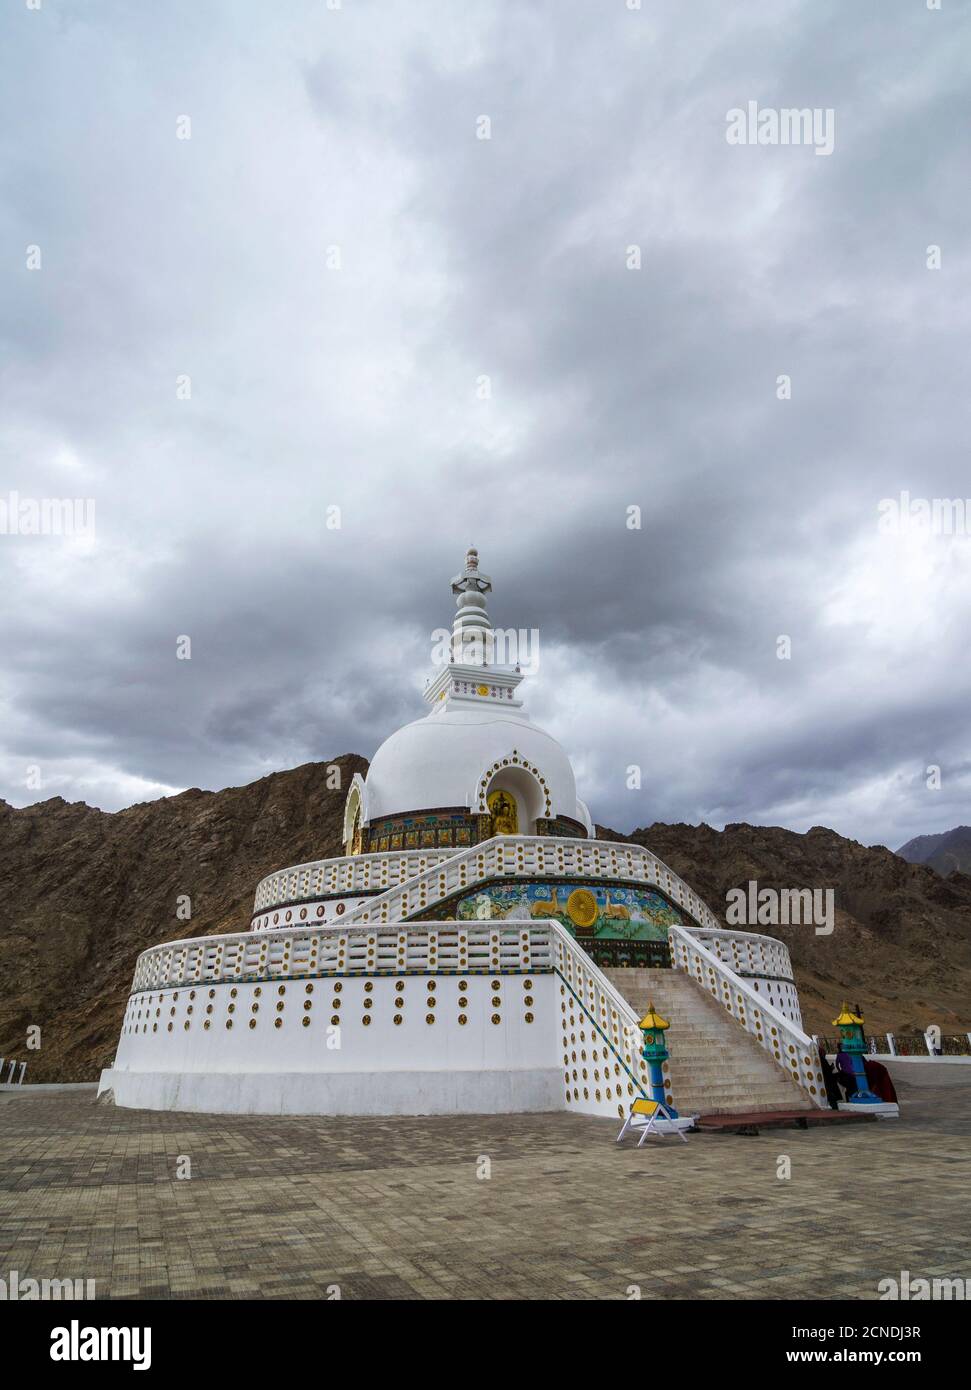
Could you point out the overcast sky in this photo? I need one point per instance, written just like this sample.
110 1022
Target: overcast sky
361 387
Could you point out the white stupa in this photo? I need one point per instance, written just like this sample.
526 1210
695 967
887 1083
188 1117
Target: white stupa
477 740
475 949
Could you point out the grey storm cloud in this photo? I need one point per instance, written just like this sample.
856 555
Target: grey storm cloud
349 134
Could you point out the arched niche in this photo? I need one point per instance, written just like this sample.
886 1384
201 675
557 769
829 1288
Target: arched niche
354 816
515 792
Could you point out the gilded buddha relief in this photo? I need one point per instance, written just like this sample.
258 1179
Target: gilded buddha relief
504 812
357 838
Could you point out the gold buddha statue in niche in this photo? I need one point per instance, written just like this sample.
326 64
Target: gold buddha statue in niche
356 843
504 812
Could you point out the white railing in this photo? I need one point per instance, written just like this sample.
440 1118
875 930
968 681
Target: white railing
352 873
748 952
615 1020
428 948
529 856
762 960
795 1053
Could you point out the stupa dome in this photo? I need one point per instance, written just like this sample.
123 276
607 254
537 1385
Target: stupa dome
476 765
456 756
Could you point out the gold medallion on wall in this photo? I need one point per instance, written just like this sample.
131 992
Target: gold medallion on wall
582 907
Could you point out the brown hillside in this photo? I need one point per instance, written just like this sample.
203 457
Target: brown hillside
901 947
85 890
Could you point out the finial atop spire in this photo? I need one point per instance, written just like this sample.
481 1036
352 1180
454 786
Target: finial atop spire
470 577
472 628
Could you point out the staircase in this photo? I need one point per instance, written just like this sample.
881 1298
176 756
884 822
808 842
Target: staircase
716 1067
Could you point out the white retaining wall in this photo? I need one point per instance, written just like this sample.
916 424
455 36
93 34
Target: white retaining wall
439 1044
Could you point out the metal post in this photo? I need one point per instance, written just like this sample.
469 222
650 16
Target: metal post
891 1045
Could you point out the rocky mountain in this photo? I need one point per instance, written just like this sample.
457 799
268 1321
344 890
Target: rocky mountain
945 852
85 890
901 944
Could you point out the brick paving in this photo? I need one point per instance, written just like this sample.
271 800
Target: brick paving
289 1207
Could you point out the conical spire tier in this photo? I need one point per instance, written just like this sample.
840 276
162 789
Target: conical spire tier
472 676
472 630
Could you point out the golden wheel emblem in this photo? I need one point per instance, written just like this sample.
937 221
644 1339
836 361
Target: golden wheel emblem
482 690
582 907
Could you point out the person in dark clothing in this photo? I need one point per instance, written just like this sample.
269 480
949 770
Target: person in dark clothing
845 1075
829 1079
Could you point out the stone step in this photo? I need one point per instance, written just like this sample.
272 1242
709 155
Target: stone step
716 1066
767 1096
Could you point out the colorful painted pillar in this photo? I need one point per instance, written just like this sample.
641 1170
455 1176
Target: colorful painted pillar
853 1043
655 1053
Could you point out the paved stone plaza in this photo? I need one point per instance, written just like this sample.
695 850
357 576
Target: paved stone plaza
289 1207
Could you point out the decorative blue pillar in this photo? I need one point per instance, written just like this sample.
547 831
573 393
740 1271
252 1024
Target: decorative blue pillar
853 1043
655 1053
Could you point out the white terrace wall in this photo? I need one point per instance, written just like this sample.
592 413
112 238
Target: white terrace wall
344 1046
407 1018
428 1019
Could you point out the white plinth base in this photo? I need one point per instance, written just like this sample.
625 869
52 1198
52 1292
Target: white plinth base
664 1127
884 1109
672 1126
339 1093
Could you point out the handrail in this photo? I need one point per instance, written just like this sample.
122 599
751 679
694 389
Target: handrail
415 948
611 1014
751 955
347 873
737 934
525 856
771 1029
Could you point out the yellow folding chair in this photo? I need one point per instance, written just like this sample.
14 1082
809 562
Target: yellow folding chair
644 1116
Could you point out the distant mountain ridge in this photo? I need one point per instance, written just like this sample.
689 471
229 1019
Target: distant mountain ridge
947 852
84 891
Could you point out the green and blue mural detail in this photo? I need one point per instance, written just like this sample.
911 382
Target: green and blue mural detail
588 910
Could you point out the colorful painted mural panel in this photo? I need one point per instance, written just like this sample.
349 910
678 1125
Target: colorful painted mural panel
589 911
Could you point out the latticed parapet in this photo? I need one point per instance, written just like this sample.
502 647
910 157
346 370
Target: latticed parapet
402 885
439 948
762 961
334 880
545 869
